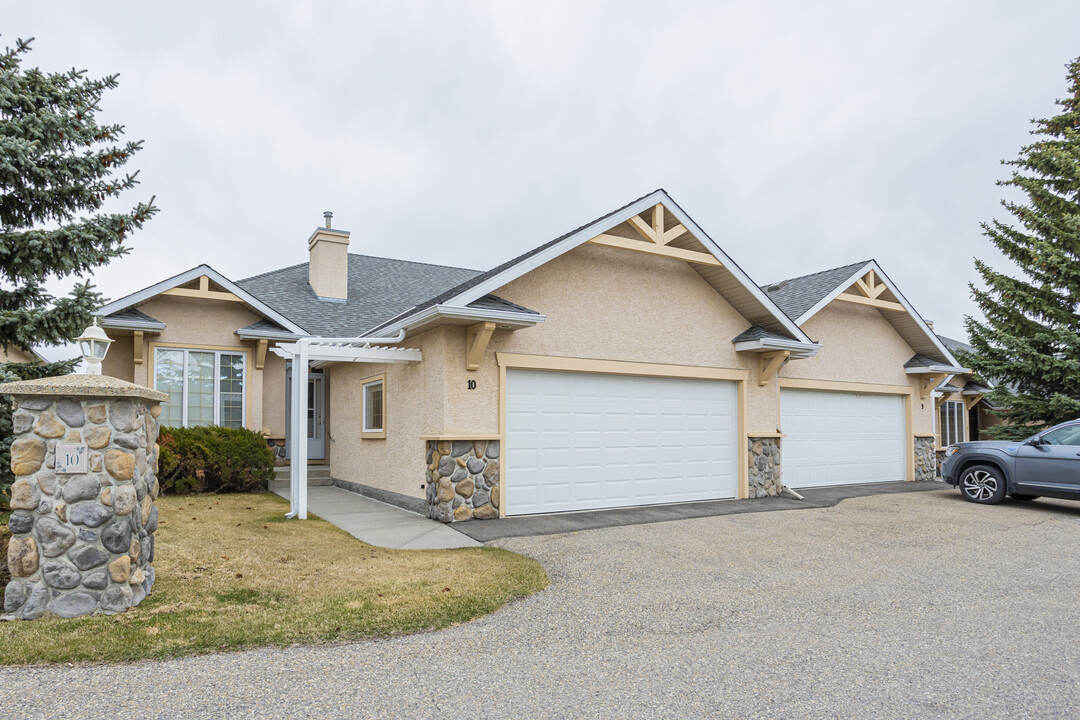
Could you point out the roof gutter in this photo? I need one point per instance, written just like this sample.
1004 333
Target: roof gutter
936 370
266 335
143 325
456 312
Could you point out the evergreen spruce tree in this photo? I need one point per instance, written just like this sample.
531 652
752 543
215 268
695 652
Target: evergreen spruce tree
59 167
1028 343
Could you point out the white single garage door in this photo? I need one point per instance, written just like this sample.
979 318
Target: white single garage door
836 438
578 441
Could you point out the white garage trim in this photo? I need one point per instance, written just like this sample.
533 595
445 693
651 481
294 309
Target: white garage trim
906 391
618 367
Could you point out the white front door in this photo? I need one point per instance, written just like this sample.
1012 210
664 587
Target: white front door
838 438
578 441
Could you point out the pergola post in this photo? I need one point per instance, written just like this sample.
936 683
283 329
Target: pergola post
298 436
300 417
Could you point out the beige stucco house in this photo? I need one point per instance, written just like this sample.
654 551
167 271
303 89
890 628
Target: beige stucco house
12 354
629 362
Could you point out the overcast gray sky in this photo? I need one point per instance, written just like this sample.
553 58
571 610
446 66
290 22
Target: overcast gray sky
800 136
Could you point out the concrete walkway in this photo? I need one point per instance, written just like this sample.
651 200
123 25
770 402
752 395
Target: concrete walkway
380 524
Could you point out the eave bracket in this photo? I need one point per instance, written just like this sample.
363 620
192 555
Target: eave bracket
476 342
770 364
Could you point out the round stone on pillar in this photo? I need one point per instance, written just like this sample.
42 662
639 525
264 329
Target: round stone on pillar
83 516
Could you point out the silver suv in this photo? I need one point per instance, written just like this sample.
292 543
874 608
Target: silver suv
1044 465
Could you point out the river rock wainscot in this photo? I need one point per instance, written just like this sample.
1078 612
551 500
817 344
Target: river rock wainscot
83 514
463 480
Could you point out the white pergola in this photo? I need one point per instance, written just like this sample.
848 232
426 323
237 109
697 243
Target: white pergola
323 351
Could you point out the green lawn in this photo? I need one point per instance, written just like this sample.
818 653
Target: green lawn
232 574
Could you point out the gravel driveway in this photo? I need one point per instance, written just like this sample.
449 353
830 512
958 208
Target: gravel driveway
913 605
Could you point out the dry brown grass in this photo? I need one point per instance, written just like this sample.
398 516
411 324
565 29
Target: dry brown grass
232 573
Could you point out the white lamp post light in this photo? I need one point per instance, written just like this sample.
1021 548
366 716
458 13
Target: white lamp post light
94 344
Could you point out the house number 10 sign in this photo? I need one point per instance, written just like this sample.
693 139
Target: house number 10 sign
71 459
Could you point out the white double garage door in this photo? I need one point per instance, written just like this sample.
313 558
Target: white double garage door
581 441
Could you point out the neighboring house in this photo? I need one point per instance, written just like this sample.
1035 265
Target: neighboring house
963 411
629 362
17 355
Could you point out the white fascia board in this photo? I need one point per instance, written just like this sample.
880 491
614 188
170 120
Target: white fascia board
453 312
798 350
590 231
872 265
194 273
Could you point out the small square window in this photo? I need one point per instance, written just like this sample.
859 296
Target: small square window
374 408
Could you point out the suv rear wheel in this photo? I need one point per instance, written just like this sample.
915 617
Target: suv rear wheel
983 484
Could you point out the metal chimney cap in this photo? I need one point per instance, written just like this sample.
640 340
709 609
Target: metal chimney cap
328 216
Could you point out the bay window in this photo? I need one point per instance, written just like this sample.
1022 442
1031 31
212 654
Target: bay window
205 387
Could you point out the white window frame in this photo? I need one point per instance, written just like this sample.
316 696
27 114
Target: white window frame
217 388
950 434
365 431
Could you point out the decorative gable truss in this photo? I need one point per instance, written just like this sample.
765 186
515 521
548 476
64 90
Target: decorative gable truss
652 225
203 292
869 286
655 239
869 292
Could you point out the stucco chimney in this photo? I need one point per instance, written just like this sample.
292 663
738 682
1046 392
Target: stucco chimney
328 266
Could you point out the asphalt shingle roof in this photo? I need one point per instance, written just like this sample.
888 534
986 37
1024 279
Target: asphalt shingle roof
920 360
953 345
131 315
265 326
756 332
379 288
797 295
494 302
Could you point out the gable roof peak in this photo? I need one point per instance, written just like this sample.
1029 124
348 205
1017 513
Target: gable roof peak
147 293
749 300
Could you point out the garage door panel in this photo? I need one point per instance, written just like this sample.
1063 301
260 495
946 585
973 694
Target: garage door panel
578 440
834 438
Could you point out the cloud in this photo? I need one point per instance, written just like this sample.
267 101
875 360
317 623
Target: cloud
466 133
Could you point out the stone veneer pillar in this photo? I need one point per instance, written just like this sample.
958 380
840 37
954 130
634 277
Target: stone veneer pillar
82 543
765 473
926 462
462 480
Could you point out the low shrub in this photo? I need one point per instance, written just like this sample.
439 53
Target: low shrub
213 459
